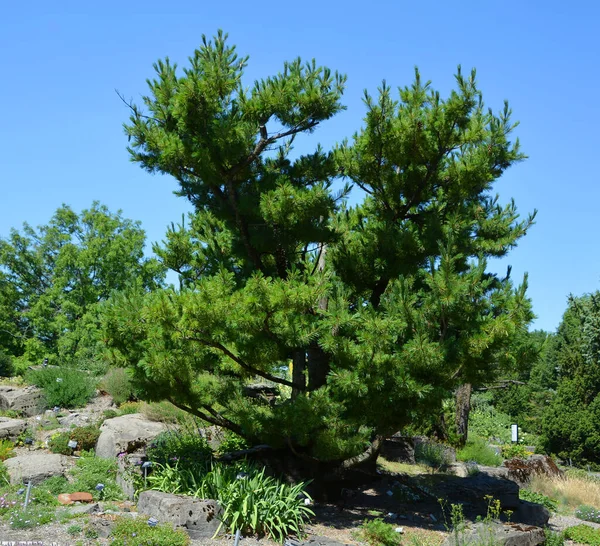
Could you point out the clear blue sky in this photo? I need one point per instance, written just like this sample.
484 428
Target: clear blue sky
61 138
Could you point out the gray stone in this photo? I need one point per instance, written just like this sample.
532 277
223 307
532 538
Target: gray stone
200 516
36 467
510 534
78 509
11 428
531 513
318 541
27 400
103 527
400 449
125 467
126 434
474 489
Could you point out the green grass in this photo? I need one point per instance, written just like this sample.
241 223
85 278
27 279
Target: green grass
478 451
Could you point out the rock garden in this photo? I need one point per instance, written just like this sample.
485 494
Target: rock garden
139 473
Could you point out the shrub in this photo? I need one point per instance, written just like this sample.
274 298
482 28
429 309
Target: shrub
117 382
86 438
378 533
7 368
583 534
7 450
165 412
489 424
186 446
55 485
538 498
588 513
137 532
511 451
91 471
554 539
63 387
479 452
232 442
431 454
128 408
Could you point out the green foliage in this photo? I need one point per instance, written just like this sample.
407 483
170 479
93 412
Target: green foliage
571 421
187 447
7 450
554 539
31 518
588 513
64 387
382 308
432 454
165 412
55 485
137 532
90 471
74 529
50 307
7 367
583 534
378 533
490 424
86 438
253 502
232 442
510 451
539 498
117 382
479 452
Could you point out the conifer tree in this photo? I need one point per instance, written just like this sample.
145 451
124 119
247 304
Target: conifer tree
380 309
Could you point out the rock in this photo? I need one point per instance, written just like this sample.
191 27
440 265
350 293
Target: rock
27 400
81 497
494 471
36 467
199 516
459 469
126 434
400 449
473 490
103 527
65 499
422 444
126 467
315 541
522 470
531 513
510 534
11 428
81 509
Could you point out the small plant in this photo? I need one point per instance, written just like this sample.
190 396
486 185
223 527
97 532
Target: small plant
479 452
7 450
232 442
583 534
34 516
539 498
431 454
588 513
91 471
117 382
554 539
54 485
165 412
378 533
63 387
74 529
86 438
128 408
186 447
137 532
512 451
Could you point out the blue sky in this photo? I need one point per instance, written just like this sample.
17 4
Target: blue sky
61 138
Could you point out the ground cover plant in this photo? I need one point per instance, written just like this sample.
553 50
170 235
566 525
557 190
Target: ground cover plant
479 452
539 498
588 513
378 533
137 532
86 438
583 534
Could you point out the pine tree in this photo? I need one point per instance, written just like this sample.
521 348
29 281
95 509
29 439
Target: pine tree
380 310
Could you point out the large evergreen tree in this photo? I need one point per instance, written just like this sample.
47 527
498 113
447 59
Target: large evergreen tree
380 310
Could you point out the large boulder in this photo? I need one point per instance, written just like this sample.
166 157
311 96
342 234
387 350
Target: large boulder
499 534
11 428
126 434
473 491
36 467
201 518
26 400
522 470
399 448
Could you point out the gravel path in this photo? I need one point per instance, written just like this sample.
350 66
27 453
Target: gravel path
560 523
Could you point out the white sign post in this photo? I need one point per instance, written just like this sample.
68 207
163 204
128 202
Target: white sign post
514 429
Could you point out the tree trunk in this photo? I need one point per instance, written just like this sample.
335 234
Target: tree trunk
318 360
298 369
463 407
